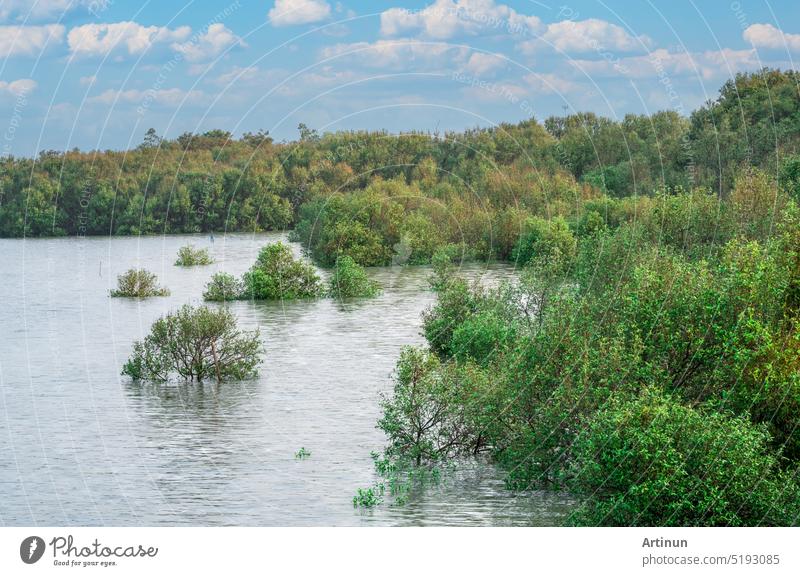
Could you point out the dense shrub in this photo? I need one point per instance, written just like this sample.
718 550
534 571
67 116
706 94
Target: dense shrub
549 243
455 302
191 256
349 280
425 418
136 283
222 287
195 344
277 275
654 462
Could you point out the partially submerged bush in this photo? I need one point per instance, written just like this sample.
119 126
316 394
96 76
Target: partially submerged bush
349 280
277 275
137 283
190 256
195 344
432 413
223 287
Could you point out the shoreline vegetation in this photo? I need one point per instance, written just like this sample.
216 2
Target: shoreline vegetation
646 359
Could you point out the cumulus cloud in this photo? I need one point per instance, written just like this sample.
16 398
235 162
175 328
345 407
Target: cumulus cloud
130 37
770 37
29 40
295 12
448 18
590 35
17 87
396 54
167 97
480 63
216 40
707 65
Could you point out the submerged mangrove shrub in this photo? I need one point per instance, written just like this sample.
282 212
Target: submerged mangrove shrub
433 411
349 280
137 283
277 275
195 343
190 256
223 287
654 462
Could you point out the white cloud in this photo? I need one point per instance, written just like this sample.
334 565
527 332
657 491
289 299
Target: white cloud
130 37
88 80
167 97
294 12
661 62
480 63
447 18
28 40
216 40
590 35
396 54
17 87
768 36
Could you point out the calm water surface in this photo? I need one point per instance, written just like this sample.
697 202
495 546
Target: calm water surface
82 445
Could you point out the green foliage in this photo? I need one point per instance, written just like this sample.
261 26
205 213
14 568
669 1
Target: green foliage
362 193
136 283
190 256
549 244
302 454
789 176
454 303
277 275
195 343
368 497
654 462
223 287
424 418
349 280
543 373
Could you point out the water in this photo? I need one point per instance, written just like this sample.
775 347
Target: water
82 445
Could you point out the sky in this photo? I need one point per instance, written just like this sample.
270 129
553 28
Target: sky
96 74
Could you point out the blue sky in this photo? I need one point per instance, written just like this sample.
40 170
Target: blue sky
99 73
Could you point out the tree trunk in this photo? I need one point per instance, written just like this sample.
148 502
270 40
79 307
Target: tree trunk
216 360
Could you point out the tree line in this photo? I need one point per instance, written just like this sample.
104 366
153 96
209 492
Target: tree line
378 197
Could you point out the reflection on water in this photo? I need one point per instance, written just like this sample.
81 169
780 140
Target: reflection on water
81 445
